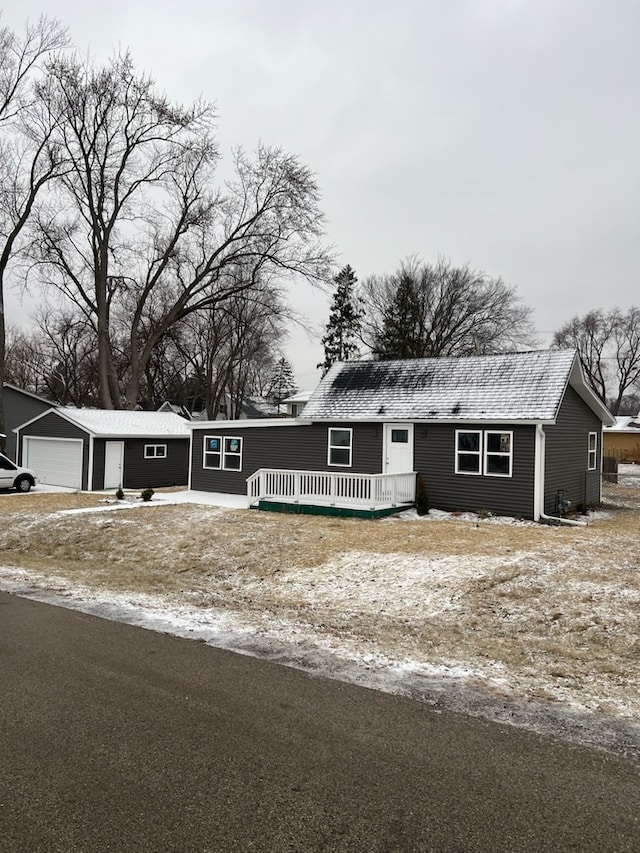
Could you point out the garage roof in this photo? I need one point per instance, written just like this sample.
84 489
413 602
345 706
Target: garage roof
107 423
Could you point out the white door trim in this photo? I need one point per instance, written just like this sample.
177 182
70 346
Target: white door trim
389 462
113 464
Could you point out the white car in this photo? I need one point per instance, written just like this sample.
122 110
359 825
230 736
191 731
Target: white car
12 476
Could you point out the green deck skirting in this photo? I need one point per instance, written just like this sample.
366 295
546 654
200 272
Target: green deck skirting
341 511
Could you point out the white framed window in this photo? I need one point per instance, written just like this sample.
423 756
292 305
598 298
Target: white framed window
340 445
155 451
592 451
498 453
232 453
468 451
212 452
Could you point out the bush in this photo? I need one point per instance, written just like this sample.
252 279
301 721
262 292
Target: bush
422 496
147 494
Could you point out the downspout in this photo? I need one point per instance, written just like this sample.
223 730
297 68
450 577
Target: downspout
538 489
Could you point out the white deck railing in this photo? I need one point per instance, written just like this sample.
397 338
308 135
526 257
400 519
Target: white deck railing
329 488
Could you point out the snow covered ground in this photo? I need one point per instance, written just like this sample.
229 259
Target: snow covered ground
446 628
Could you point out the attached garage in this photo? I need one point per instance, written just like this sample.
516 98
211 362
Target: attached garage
57 461
95 449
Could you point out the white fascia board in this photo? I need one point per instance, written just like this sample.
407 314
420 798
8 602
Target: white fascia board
437 422
579 385
249 423
146 436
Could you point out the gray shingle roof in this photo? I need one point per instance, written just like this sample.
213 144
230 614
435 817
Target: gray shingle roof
510 387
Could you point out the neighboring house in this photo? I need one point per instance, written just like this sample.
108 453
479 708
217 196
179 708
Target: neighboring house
294 405
177 410
95 449
20 406
622 439
251 407
517 434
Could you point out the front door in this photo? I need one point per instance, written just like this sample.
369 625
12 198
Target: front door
113 462
398 448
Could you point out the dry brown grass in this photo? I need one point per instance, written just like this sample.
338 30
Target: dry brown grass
555 611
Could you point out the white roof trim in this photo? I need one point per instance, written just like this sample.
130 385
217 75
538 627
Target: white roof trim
248 423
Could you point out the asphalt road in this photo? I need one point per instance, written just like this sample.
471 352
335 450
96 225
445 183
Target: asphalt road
114 738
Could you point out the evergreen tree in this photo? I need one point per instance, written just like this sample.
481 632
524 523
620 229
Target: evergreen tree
343 328
438 310
401 335
282 384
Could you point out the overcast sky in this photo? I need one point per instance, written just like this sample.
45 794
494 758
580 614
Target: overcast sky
500 133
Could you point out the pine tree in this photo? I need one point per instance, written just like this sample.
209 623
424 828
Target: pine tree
401 334
282 384
343 328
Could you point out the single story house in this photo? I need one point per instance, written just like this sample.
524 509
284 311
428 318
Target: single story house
622 439
95 449
20 406
517 434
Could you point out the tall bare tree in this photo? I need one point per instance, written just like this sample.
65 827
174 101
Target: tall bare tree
139 222
29 158
608 343
222 349
425 310
55 358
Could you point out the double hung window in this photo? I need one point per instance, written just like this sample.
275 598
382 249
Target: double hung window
340 444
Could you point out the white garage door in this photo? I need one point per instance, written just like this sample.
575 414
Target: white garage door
56 461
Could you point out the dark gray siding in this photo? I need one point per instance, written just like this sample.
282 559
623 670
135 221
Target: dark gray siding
435 460
141 473
53 426
301 448
18 409
567 457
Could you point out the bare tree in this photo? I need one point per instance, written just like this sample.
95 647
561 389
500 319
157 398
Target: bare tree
139 223
608 344
56 358
223 348
25 364
29 159
427 310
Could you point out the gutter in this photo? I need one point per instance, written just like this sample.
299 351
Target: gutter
539 487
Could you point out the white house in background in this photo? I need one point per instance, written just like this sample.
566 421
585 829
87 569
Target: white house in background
296 403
